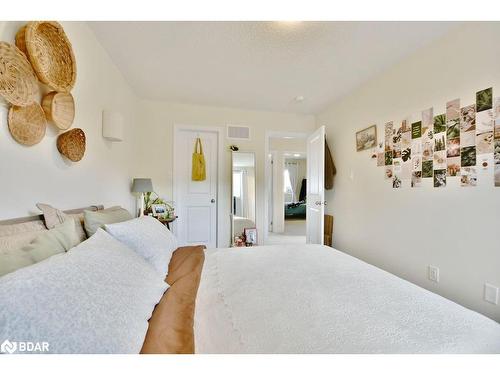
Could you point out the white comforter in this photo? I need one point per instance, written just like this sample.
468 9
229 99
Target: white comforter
313 299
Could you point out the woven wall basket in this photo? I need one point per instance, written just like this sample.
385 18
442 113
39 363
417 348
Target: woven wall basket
27 124
59 108
72 144
50 53
18 82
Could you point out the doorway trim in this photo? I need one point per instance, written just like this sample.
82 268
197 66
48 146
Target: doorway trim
268 172
220 169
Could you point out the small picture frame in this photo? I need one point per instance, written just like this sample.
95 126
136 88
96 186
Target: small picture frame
251 236
366 139
158 209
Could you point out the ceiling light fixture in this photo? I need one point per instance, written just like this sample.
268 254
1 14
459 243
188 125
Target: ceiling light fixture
299 98
296 155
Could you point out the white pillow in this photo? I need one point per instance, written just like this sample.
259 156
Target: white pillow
149 238
96 298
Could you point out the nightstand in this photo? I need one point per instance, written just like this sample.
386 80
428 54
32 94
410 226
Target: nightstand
167 222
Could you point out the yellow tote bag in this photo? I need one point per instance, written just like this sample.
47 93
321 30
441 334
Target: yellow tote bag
198 172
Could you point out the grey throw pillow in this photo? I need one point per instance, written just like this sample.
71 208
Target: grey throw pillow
55 241
94 220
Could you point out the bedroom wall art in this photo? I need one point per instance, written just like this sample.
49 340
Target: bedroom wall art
441 146
42 52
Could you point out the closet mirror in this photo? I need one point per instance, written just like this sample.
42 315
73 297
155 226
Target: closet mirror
243 193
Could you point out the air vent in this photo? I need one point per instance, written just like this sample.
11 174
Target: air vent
238 132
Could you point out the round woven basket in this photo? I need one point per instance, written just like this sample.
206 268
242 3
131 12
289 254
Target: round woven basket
27 124
59 108
72 144
18 82
50 53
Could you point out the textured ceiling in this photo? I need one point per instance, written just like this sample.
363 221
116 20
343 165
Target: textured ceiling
259 65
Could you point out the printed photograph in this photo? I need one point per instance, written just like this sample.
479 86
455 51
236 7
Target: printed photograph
416 130
416 179
396 152
468 156
468 177
388 129
484 121
396 135
453 148
440 160
453 129
440 178
416 162
468 118
396 182
406 139
427 118
427 170
484 99
468 138
406 154
427 134
388 158
497 175
416 147
496 107
397 166
380 159
453 110
485 161
427 151
497 128
496 157
484 143
439 123
388 173
453 168
405 170
439 142
366 138
405 125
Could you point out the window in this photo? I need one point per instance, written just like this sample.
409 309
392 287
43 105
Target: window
287 186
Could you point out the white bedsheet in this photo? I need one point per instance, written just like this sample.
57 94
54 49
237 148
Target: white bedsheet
313 299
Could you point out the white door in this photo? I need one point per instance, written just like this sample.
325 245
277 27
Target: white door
196 201
315 186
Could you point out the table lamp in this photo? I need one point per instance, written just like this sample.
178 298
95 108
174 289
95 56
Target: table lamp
142 185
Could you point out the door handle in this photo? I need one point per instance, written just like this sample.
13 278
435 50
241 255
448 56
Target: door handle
212 200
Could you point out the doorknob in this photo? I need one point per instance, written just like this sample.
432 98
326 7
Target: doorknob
212 200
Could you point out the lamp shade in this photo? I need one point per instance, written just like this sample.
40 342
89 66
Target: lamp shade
112 126
142 185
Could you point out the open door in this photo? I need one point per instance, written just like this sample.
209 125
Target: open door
315 186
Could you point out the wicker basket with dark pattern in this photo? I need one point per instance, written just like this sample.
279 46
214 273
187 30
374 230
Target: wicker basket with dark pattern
72 144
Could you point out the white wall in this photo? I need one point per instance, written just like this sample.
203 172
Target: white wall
39 173
155 136
405 230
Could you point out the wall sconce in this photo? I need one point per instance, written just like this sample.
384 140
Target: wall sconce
112 126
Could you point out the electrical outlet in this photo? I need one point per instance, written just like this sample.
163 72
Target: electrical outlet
433 274
491 293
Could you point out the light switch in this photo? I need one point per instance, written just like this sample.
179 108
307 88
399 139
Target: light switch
433 274
491 293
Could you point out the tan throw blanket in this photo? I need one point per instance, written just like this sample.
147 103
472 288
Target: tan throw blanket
171 325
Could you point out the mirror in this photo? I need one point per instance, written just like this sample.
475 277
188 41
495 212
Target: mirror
243 195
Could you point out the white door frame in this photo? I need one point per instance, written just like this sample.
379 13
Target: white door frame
268 172
220 165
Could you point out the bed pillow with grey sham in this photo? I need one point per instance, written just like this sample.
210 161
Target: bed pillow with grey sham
149 238
94 220
96 298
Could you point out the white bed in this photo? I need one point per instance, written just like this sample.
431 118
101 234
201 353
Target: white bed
313 299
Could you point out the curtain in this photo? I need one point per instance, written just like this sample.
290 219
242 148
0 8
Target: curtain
293 172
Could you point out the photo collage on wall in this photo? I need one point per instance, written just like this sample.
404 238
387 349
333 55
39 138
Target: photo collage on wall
442 146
